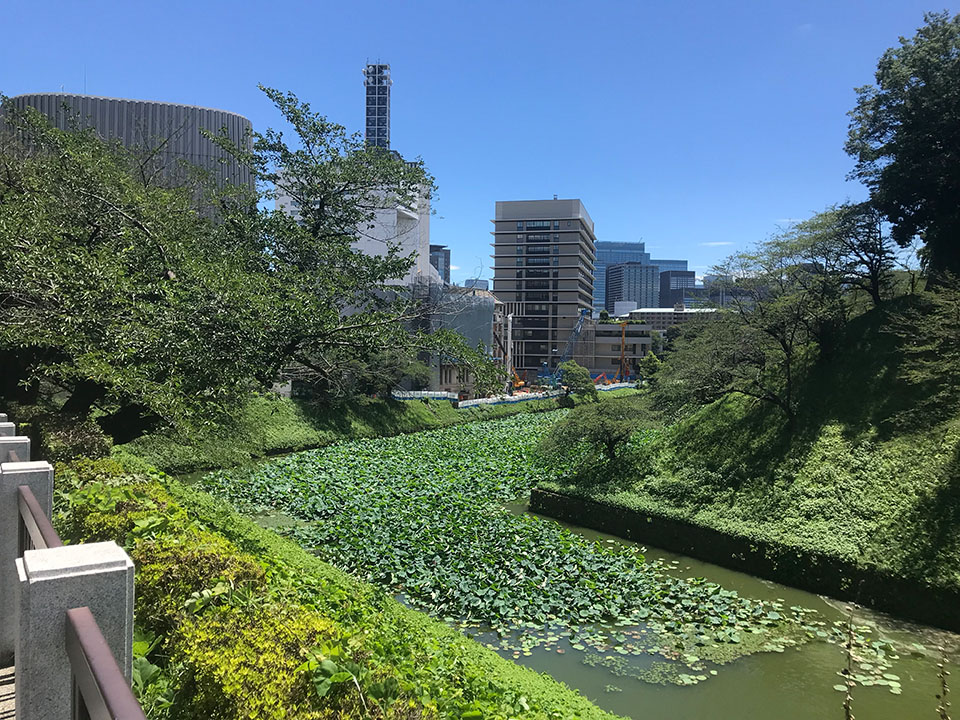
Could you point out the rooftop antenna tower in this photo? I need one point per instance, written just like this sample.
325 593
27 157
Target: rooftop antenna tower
377 80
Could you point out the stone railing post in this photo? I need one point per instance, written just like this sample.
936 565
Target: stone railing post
38 476
52 581
11 445
7 428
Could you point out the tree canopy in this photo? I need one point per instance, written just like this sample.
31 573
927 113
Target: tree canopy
905 137
160 304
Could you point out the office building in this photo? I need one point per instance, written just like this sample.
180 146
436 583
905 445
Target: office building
477 283
613 253
440 259
167 135
544 254
612 349
659 319
669 265
632 281
377 80
674 286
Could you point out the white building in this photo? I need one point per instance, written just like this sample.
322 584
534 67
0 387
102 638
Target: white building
406 227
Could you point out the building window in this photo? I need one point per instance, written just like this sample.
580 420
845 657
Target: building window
556 261
520 262
556 224
519 224
519 249
556 249
556 237
520 236
538 224
537 260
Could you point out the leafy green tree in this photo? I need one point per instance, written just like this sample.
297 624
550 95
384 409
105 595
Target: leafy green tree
595 430
577 380
118 294
115 292
905 138
648 366
786 305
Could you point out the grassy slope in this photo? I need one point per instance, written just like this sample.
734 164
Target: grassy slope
864 475
271 424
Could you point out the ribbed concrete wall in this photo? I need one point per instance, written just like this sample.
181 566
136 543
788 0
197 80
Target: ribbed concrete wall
175 129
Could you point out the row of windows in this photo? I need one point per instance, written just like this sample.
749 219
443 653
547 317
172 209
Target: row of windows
542 224
538 237
537 272
539 261
538 249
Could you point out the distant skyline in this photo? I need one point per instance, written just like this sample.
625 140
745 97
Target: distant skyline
697 127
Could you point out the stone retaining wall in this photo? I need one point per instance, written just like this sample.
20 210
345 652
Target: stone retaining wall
811 571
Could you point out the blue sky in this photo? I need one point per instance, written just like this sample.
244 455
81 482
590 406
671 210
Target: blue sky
698 127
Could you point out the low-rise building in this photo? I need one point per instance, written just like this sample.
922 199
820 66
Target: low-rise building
660 319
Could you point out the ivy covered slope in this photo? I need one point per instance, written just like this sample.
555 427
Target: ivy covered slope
234 622
869 472
269 424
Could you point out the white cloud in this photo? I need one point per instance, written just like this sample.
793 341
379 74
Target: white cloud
716 243
454 267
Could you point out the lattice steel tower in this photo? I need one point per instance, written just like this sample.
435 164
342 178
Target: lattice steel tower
376 78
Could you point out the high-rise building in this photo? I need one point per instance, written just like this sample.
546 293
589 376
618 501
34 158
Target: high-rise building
632 281
674 286
612 253
377 81
477 283
544 254
440 259
669 265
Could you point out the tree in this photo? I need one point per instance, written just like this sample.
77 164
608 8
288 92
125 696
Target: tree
786 304
648 366
600 429
577 380
120 295
869 258
905 137
116 292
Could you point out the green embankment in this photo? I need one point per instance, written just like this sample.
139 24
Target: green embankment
868 474
234 612
270 425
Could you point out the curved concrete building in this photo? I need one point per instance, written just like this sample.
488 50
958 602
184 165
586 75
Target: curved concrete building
169 129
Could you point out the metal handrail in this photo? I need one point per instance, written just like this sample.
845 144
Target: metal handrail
35 528
100 691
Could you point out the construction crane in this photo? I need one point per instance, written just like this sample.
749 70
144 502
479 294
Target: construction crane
553 379
623 372
515 380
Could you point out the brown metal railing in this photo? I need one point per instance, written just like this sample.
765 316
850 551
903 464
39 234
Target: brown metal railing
36 532
100 691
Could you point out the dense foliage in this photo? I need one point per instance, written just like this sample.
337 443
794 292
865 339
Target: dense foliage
867 471
168 305
905 137
422 516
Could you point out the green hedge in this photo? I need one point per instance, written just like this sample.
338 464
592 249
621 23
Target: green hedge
236 622
271 425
